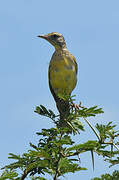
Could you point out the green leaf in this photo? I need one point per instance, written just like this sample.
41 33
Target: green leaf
9 175
14 156
88 112
65 166
89 145
36 164
40 153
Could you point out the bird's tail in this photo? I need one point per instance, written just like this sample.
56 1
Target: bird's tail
62 104
63 107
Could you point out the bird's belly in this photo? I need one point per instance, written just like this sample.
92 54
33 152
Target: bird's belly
63 78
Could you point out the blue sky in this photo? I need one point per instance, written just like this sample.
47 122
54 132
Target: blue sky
91 30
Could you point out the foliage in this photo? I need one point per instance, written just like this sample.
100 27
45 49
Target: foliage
114 176
9 174
56 154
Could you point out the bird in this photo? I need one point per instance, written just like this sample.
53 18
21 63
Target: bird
62 72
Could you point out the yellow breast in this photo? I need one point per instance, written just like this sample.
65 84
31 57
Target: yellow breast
62 74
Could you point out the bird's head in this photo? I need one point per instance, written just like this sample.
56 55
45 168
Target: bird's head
56 39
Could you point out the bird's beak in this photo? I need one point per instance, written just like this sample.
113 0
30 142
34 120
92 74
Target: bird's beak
43 36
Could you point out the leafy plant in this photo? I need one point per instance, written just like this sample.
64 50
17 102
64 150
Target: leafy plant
56 154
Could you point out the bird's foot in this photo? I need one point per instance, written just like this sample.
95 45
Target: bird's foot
75 106
80 105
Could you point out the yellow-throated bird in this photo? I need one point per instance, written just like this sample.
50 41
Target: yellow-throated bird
62 72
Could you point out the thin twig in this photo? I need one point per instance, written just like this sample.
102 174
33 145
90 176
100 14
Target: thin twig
92 128
110 143
116 146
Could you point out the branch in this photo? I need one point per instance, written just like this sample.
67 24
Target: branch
111 143
57 172
24 175
60 155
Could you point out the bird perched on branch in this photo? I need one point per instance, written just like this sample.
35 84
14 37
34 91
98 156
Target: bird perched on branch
62 72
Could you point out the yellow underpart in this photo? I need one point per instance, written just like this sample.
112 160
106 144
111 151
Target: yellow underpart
62 75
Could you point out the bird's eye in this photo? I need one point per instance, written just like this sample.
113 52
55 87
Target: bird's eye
55 36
